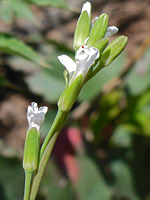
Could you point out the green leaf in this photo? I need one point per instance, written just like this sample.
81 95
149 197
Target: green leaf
124 183
91 183
138 80
121 137
11 179
56 3
18 8
44 83
14 46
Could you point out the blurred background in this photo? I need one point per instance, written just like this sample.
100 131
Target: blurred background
103 152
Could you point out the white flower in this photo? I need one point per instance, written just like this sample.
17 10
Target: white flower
85 58
111 30
87 7
36 116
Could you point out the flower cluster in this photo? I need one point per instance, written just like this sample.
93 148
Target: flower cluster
90 40
92 53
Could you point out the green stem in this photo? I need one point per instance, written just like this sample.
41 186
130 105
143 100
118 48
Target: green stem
28 177
56 127
46 151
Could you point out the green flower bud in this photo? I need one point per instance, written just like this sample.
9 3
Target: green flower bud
82 30
98 30
113 50
31 150
101 44
35 118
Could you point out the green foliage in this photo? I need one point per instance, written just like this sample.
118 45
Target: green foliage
137 81
56 3
93 185
12 45
11 171
17 8
123 180
43 81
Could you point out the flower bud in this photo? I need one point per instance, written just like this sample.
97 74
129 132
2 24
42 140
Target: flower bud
35 118
31 150
98 30
82 30
101 44
113 50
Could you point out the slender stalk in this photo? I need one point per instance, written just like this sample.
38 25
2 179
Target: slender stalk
46 151
56 127
28 177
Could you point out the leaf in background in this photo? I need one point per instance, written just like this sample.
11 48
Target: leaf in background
19 8
11 179
54 185
108 110
44 83
138 79
91 183
49 83
12 45
124 182
121 137
136 116
95 85
41 81
56 3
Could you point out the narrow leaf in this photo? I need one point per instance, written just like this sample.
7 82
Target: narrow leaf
14 46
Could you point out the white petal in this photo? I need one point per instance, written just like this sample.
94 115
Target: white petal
36 116
111 30
86 40
29 111
87 7
86 57
34 106
43 109
68 63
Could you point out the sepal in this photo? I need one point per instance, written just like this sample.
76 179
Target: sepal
31 150
98 30
70 94
113 50
82 30
101 44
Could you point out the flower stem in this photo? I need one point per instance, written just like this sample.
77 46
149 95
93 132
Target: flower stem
46 151
28 177
56 127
